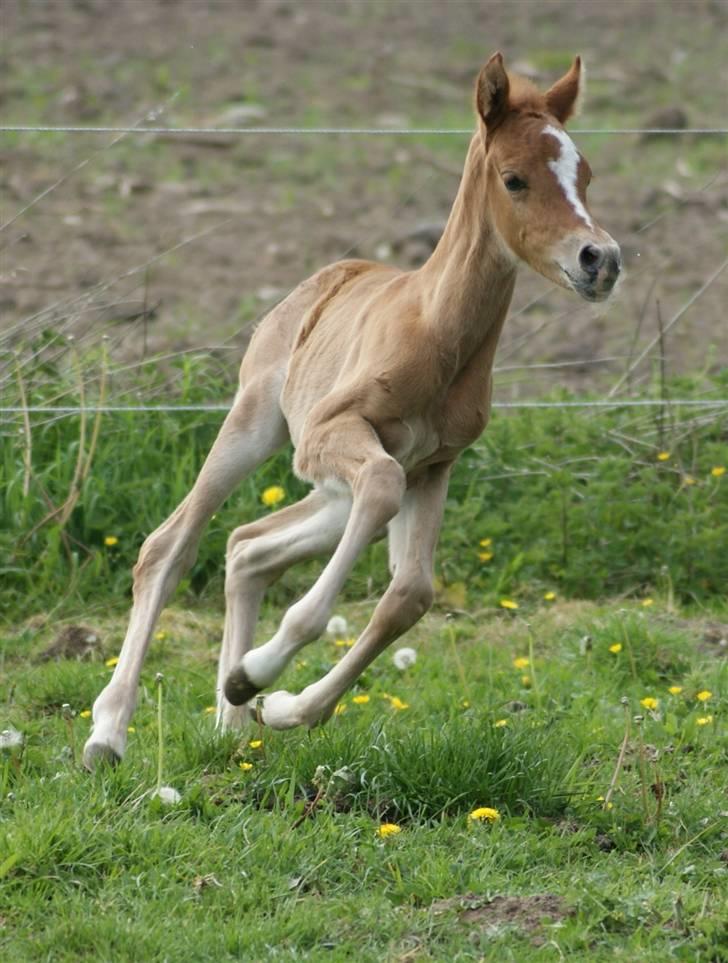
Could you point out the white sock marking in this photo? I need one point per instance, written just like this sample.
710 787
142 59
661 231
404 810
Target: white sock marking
565 168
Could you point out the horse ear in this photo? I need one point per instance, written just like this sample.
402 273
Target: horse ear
491 92
563 99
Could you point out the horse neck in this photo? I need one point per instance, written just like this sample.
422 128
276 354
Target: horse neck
468 281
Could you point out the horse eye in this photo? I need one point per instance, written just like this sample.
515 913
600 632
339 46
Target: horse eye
514 184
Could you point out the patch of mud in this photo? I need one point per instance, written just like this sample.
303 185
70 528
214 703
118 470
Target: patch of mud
529 914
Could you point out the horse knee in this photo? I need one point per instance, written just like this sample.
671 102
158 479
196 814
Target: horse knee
382 484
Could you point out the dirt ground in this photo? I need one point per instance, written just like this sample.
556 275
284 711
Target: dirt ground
271 209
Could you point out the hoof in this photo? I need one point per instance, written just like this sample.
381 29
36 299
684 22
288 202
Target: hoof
96 755
238 687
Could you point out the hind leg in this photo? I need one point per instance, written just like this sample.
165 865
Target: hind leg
257 555
251 432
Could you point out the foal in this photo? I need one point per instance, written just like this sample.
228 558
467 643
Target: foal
381 378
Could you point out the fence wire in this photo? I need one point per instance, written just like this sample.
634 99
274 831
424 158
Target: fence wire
325 131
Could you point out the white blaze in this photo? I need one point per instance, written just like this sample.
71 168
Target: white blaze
565 168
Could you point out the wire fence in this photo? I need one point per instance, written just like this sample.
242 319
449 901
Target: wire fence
349 131
46 315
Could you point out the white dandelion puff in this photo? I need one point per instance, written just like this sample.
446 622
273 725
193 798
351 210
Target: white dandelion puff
405 657
337 627
167 795
10 739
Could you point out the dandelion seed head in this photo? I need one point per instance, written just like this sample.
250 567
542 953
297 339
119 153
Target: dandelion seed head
403 658
167 794
10 738
337 626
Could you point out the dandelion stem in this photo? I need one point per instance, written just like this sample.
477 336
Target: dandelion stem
643 774
630 653
532 661
160 732
620 757
458 663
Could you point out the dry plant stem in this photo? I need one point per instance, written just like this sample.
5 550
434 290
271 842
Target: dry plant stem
28 449
643 774
620 758
532 665
308 811
97 420
68 720
630 653
458 663
159 680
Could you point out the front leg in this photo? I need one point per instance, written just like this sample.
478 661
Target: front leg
413 536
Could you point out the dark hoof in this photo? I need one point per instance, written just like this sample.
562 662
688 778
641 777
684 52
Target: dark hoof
238 688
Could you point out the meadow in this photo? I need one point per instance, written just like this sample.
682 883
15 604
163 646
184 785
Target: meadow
545 781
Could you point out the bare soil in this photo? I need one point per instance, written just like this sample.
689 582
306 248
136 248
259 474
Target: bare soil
271 209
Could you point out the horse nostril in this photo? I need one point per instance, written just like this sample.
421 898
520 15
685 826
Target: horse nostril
591 258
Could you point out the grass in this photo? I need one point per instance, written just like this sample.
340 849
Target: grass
246 865
561 494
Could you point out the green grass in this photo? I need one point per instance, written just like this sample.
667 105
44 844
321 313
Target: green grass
91 867
573 501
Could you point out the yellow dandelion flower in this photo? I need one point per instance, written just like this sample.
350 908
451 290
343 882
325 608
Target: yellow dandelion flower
255 743
160 636
549 596
616 648
85 714
245 766
130 729
340 709
110 541
485 542
271 496
689 480
344 643
485 556
396 703
526 681
647 602
465 703
110 663
388 829
607 805
521 662
704 720
718 471
209 710
675 689
649 702
484 814
703 696
360 700
663 455
500 723
508 604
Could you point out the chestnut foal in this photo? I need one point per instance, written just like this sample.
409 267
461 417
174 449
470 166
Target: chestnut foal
381 378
